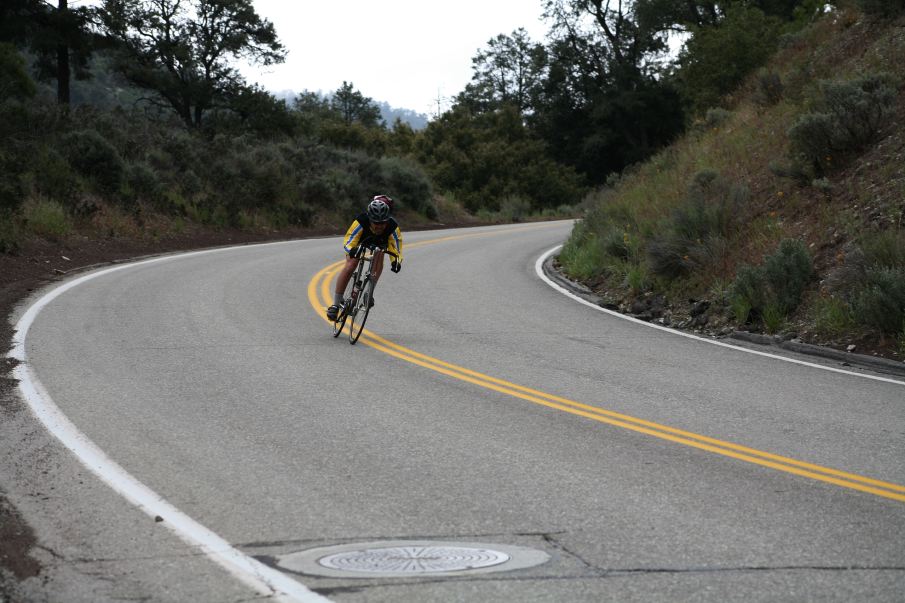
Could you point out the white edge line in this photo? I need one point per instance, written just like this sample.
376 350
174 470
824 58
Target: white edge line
254 574
539 269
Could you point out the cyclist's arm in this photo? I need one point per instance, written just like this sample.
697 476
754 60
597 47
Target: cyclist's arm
395 244
353 236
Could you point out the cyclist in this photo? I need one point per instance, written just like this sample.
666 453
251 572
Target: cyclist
375 227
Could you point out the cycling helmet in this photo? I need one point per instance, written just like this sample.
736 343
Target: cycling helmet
378 209
385 198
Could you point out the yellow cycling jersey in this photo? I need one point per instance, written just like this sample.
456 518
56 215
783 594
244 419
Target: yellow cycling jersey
360 233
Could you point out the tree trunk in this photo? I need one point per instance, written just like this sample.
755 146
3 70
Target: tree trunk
62 55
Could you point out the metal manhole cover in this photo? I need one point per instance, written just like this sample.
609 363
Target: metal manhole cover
410 559
414 559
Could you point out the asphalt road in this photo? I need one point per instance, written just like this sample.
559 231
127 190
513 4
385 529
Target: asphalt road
648 466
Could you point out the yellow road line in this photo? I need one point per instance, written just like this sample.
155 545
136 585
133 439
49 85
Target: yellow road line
319 295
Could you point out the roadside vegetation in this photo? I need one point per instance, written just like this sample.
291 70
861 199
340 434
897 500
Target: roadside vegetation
782 209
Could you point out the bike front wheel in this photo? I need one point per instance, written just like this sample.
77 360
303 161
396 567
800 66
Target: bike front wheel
340 322
360 311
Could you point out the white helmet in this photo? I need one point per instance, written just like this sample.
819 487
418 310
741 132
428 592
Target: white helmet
378 210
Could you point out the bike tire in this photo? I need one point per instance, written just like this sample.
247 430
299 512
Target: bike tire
346 308
339 323
360 311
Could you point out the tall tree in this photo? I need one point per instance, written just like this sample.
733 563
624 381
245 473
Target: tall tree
509 71
616 44
354 107
60 38
716 59
183 51
605 102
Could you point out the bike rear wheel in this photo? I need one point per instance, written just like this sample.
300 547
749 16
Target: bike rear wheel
360 311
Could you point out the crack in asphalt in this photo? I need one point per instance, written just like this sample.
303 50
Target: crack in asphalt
605 574
556 544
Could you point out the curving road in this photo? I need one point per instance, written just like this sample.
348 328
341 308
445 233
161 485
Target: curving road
483 406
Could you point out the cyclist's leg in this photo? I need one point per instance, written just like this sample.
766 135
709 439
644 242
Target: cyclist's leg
342 280
377 265
376 269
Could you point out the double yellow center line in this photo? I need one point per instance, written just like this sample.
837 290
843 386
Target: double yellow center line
320 295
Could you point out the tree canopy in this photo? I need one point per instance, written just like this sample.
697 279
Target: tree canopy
183 51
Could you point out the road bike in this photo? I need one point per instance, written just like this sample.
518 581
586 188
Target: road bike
357 299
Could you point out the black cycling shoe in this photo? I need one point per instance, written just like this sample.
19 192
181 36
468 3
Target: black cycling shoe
371 302
333 312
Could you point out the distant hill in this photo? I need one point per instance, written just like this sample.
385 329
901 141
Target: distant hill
418 121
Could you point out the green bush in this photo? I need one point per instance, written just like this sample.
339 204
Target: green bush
94 157
637 278
514 208
53 177
10 233
180 150
669 256
582 256
47 219
885 249
831 316
872 281
748 292
335 188
774 290
298 214
695 236
788 272
143 184
741 309
849 116
769 89
812 144
881 302
408 185
617 243
714 118
252 178
190 183
773 317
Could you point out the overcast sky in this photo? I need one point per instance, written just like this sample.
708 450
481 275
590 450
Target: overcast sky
403 52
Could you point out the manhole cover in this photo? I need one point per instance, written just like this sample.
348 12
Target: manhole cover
414 559
411 559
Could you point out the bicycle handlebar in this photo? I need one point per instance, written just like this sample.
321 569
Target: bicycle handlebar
372 247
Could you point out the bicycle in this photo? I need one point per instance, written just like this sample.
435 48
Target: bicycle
357 297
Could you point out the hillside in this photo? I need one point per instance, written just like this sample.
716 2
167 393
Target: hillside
781 212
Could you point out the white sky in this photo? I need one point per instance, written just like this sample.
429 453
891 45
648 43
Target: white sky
402 52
